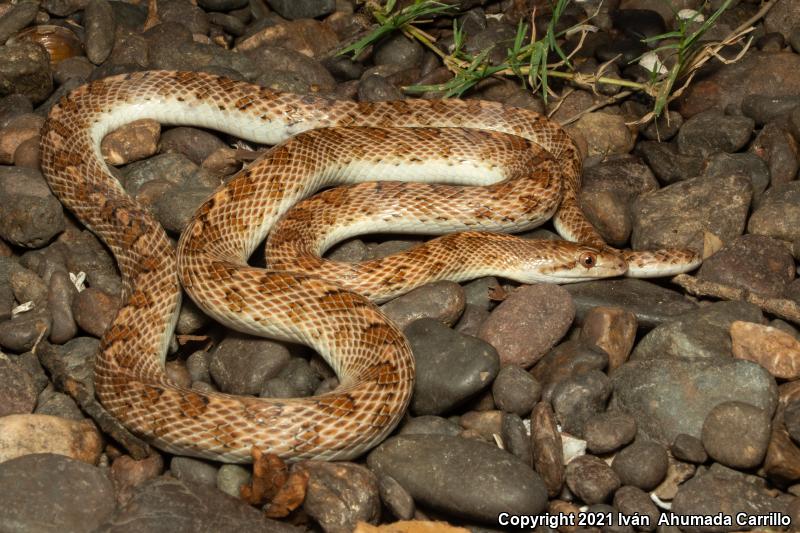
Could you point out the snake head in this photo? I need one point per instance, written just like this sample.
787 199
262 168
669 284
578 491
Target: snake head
569 262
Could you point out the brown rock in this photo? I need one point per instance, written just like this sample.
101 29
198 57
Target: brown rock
775 350
591 479
94 310
131 142
548 456
604 133
340 495
28 153
442 300
410 526
30 433
309 37
611 329
18 130
528 323
128 473
485 424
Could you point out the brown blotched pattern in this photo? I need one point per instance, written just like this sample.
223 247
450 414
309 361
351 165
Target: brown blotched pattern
539 162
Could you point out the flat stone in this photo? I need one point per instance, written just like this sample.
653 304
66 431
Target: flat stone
453 475
650 303
169 504
668 397
53 493
710 132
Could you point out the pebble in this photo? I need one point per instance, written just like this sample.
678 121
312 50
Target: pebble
711 494
190 319
578 398
700 334
478 293
52 493
309 37
778 213
375 88
679 215
764 109
302 9
30 216
672 396
611 329
485 425
435 469
340 495
21 333
639 23
241 364
567 360
273 58
127 473
791 419
667 164
193 471
86 254
94 310
222 5
59 405
755 73
25 69
736 434
591 479
650 303
25 434
609 431
546 448
515 391
441 300
631 501
677 473
710 132
396 498
78 356
296 378
100 26
688 448
171 504
663 128
528 323
451 367
429 425
131 142
775 350
778 148
471 320
59 301
782 18
398 49
18 17
605 133
18 394
20 129
747 165
231 479
643 464
515 437
12 106
194 143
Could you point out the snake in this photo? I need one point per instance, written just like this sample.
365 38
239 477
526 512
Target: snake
466 170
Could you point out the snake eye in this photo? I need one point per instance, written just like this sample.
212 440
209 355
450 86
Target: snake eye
588 259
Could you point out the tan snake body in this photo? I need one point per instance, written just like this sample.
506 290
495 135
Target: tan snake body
531 169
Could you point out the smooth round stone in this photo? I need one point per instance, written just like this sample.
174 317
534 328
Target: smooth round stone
643 464
764 109
442 300
566 361
451 367
631 501
778 213
668 397
454 475
396 498
591 479
100 27
529 322
607 432
791 419
29 213
688 448
242 364
194 143
515 437
515 391
737 434
374 88
777 147
667 164
53 493
398 50
231 479
547 448
302 9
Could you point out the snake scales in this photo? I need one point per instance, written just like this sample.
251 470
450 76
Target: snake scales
530 170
